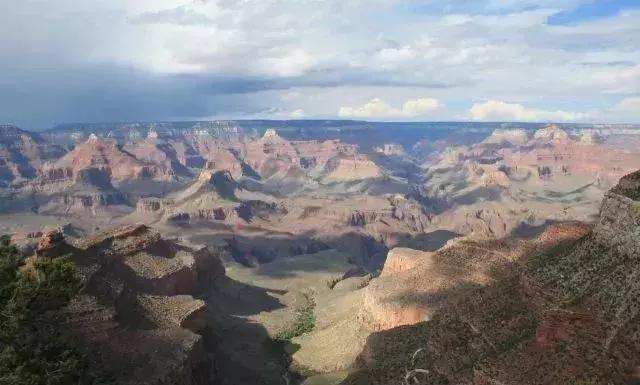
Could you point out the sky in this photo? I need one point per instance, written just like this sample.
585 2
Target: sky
379 60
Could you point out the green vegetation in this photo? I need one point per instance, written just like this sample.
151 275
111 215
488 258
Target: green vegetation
34 348
281 344
304 323
332 282
365 282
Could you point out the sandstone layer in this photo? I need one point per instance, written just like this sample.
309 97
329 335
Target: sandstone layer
136 315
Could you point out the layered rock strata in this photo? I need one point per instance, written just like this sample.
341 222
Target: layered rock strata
136 314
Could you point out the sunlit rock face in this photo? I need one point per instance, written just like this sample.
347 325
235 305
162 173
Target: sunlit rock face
107 154
514 136
551 133
619 225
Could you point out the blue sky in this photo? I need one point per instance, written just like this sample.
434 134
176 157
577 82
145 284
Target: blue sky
408 60
592 10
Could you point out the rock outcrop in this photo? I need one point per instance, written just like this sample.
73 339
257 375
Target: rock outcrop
22 154
619 225
517 136
402 259
411 286
159 152
364 212
270 155
88 190
225 160
551 133
566 310
346 169
105 154
136 314
391 149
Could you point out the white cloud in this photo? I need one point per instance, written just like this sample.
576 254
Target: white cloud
390 58
281 114
494 49
494 110
626 110
628 105
294 63
297 114
377 108
421 107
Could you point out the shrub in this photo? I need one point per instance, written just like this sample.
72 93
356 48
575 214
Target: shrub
34 347
304 323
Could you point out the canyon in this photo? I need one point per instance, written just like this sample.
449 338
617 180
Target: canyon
328 252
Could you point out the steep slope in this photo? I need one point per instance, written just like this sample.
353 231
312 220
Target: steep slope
106 154
89 192
479 190
157 151
136 315
565 313
214 196
22 154
346 169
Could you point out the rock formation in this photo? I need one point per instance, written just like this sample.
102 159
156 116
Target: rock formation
225 160
515 136
271 155
551 133
105 154
619 225
345 169
22 154
391 149
136 315
159 152
87 190
402 259
566 311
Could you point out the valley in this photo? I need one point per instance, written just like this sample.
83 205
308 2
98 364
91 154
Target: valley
327 252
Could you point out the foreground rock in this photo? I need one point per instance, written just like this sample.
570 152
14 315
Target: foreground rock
136 315
565 313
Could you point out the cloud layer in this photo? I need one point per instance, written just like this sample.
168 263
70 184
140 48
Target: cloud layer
163 59
493 110
377 108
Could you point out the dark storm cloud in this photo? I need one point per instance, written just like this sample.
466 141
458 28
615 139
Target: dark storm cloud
39 98
112 60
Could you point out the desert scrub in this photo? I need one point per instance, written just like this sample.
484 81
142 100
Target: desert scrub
365 281
35 345
332 282
635 209
305 320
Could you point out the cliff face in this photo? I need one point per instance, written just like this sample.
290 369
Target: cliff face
619 225
136 314
22 154
84 191
105 154
566 312
342 169
154 150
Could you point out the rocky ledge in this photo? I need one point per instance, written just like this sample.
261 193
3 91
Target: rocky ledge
136 314
619 225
